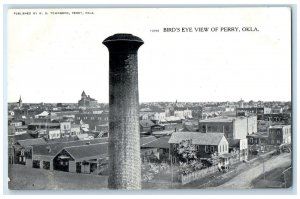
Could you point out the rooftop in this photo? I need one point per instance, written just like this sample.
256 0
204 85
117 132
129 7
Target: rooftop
278 126
148 139
158 143
31 142
233 142
52 149
197 138
85 151
146 123
219 119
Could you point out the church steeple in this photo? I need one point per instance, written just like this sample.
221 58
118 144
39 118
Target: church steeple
20 102
83 95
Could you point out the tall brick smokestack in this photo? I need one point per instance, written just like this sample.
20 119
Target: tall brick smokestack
124 133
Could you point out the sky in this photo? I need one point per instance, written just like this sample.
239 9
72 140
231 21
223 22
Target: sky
53 58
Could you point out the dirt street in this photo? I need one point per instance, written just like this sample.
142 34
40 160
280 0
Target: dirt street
243 180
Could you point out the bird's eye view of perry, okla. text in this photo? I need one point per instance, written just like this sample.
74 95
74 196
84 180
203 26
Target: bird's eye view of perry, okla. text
149 98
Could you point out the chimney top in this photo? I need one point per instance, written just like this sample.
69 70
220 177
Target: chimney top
123 37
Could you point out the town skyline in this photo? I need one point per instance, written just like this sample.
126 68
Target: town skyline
211 101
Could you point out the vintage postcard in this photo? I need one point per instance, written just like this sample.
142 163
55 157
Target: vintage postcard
149 98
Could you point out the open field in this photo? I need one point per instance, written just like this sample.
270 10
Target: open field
22 178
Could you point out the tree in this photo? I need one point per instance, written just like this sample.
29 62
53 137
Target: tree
214 159
187 155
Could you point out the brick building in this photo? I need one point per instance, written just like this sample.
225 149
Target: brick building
280 134
87 101
91 119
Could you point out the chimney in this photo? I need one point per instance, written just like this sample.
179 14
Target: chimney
124 138
49 149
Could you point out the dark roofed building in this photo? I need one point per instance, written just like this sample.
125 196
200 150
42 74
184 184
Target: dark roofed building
145 140
207 144
87 101
47 152
31 142
157 149
23 149
81 159
24 136
145 126
160 143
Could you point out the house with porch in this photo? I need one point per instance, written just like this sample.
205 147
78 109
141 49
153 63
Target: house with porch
207 145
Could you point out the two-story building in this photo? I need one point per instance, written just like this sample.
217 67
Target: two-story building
231 127
91 119
280 134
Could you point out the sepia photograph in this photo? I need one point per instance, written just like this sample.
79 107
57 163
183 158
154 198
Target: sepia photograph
149 98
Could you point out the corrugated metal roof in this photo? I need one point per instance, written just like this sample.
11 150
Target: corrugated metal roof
86 151
53 148
197 138
161 143
31 142
145 140
146 123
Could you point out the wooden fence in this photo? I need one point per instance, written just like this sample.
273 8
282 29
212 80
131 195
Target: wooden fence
197 174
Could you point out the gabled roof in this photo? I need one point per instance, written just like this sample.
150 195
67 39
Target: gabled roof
31 142
44 113
82 136
24 136
86 151
146 123
145 140
233 142
52 149
197 138
161 143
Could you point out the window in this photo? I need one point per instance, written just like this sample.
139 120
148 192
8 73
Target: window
278 132
198 147
206 149
212 149
209 129
223 148
251 140
174 146
278 141
272 141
